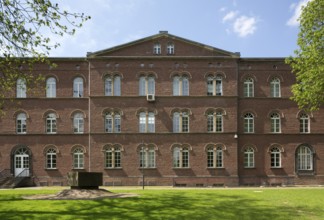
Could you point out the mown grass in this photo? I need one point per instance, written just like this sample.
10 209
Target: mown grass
202 204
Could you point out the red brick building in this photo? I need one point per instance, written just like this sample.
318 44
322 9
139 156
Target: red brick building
181 112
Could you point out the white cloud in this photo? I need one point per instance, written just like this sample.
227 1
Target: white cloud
244 26
293 20
230 16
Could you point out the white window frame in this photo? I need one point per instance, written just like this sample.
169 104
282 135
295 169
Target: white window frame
249 157
157 49
275 123
275 156
304 158
51 158
78 158
275 90
181 122
146 122
113 158
170 48
21 123
180 157
249 123
215 85
215 157
304 122
112 122
51 126
146 85
147 157
78 123
21 88
51 87
248 87
78 88
113 85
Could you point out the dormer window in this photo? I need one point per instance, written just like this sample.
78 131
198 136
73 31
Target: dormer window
170 48
157 48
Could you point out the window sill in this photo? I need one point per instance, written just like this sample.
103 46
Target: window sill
113 168
51 169
249 167
180 168
215 168
78 168
275 168
147 168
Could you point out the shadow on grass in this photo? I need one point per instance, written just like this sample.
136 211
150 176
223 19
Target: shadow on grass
152 205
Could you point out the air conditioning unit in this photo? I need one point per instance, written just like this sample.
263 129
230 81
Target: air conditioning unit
150 97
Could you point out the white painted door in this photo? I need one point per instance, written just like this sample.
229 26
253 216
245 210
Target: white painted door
22 164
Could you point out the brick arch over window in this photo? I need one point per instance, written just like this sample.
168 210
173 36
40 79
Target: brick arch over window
277 111
146 145
180 74
248 75
78 111
223 146
112 74
275 145
215 74
301 112
47 76
213 110
81 76
273 76
49 111
112 110
74 147
146 74
49 146
16 113
181 110
246 111
185 145
246 146
112 145
138 111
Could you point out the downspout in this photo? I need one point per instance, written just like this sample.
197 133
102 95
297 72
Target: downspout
89 113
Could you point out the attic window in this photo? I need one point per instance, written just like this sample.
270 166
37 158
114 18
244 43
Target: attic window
170 48
157 48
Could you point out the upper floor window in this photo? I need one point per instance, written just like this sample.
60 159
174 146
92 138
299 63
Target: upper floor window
21 88
78 158
181 85
304 123
112 85
112 157
248 88
215 85
21 124
51 87
275 123
248 123
146 85
157 48
146 122
147 157
51 123
170 48
78 123
275 87
181 121
215 121
180 157
215 156
275 157
51 158
249 157
304 158
112 122
78 87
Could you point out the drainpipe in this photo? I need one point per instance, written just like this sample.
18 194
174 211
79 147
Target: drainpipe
89 113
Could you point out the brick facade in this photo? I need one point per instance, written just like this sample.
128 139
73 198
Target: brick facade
195 62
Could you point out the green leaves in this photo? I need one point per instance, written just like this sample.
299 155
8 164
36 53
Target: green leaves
308 65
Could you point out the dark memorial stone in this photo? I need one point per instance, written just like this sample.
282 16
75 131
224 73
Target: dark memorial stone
85 180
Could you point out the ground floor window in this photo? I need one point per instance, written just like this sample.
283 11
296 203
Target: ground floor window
51 158
78 158
147 157
113 157
180 157
304 158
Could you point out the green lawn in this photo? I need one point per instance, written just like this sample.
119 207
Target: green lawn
156 203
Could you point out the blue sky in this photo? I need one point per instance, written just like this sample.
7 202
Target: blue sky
255 28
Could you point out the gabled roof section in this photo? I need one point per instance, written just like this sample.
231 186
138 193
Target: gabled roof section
144 48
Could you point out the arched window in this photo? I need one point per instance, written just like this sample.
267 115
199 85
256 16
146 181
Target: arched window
113 157
78 123
249 157
275 87
21 123
147 157
147 122
275 157
304 158
113 86
248 88
51 123
21 88
180 122
215 156
248 123
181 85
304 124
51 87
146 85
51 158
215 121
275 123
180 157
78 87
157 48
215 85
78 158
112 122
